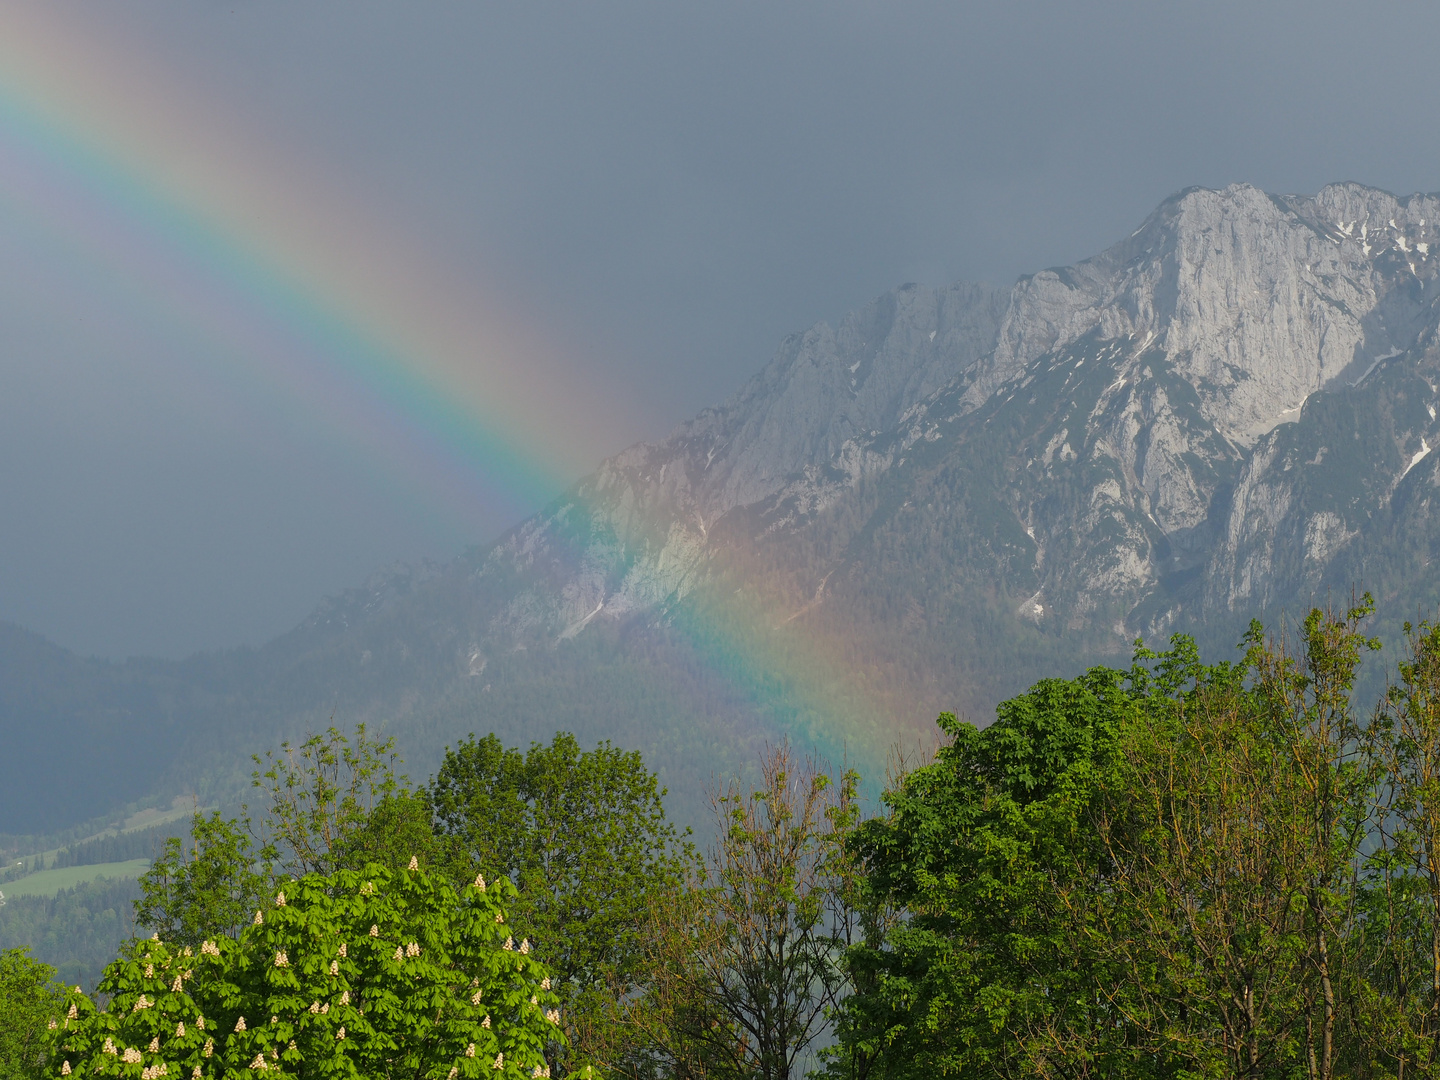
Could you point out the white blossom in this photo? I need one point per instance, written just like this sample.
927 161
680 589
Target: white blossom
177 985
281 960
180 1030
475 1000
209 1047
345 997
315 1008
240 1024
74 1012
131 1056
342 950
280 899
154 1046
499 916
454 1072
509 943
259 919
195 1073
340 1034
534 1000
486 1022
367 888
414 863
109 1047
65 1069
545 983
553 1015
53 1025
200 1023
499 1061
187 951
524 945
334 967
141 1003
149 971
480 882
470 1050
209 948
374 931
399 953
259 1063
324 1009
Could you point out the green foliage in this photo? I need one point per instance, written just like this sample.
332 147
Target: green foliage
209 890
1157 872
973 848
743 963
29 1001
372 974
320 793
583 835
395 830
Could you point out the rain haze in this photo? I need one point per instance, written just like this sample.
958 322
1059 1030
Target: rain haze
642 198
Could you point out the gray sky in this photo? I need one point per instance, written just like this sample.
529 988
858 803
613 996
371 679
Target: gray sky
666 188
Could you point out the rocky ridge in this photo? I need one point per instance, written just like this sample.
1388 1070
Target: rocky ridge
1143 396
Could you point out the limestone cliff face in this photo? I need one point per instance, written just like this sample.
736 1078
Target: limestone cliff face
1217 415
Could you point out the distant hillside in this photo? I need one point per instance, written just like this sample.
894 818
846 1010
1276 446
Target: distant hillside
951 493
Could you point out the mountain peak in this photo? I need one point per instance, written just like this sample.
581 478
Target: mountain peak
1258 300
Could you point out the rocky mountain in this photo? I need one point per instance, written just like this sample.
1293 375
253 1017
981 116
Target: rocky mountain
954 491
1220 416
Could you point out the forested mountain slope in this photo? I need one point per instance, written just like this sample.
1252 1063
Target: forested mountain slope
928 506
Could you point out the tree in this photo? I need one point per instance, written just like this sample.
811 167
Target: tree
980 849
209 890
1198 921
322 794
1308 698
397 829
1144 873
744 965
30 999
1402 948
584 837
367 974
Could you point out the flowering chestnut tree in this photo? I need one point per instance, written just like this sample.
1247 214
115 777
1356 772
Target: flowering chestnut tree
354 974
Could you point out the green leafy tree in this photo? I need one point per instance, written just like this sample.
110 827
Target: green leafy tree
354 974
978 849
745 965
1401 949
584 836
323 795
30 1001
207 890
1144 873
396 829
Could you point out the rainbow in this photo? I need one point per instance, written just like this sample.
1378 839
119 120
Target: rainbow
322 305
